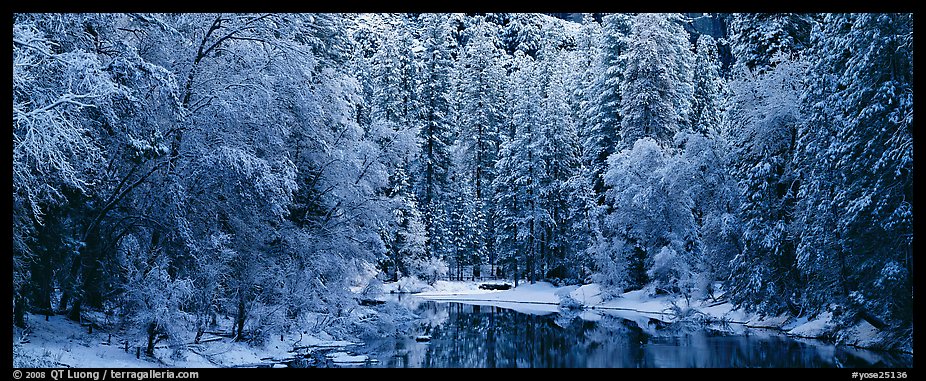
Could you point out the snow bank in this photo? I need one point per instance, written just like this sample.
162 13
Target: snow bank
639 301
863 335
816 327
589 294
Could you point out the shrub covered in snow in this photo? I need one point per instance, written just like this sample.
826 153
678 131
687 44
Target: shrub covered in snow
567 302
409 285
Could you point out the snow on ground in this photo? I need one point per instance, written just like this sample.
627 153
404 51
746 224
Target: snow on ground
863 335
540 298
639 301
589 294
344 358
768 321
723 311
443 287
815 327
63 343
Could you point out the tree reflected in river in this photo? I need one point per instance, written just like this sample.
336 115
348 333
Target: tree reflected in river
470 336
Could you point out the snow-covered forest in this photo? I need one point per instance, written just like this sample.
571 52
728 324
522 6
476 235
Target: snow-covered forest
175 174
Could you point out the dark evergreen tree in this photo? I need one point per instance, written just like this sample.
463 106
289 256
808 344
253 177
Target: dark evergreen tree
756 38
855 211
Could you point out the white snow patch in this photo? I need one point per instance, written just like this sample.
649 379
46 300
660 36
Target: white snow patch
589 294
640 301
469 292
794 323
863 334
344 358
723 311
814 328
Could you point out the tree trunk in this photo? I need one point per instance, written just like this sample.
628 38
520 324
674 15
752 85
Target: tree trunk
239 321
152 333
19 312
74 312
41 295
74 297
543 256
395 262
63 303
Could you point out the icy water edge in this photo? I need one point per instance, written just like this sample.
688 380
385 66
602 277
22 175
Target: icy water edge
471 336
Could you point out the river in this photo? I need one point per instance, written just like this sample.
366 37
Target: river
472 336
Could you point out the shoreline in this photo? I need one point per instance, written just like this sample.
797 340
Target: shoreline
588 297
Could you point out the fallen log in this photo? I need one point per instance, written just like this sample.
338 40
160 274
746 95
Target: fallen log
493 286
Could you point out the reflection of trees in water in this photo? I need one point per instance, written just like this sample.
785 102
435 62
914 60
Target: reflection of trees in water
616 342
485 337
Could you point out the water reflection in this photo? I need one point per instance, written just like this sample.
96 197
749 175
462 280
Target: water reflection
472 336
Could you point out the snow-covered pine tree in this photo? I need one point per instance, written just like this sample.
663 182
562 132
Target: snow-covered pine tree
855 212
762 128
557 149
756 38
517 168
602 94
394 110
656 84
707 100
435 136
481 116
584 217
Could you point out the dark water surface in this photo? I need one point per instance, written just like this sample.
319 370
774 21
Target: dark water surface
468 336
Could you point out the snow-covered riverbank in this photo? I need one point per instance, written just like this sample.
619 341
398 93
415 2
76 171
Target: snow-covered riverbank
59 342
543 297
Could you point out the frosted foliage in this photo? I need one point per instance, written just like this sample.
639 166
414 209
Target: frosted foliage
758 37
155 299
762 126
668 269
52 145
611 267
651 208
768 106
